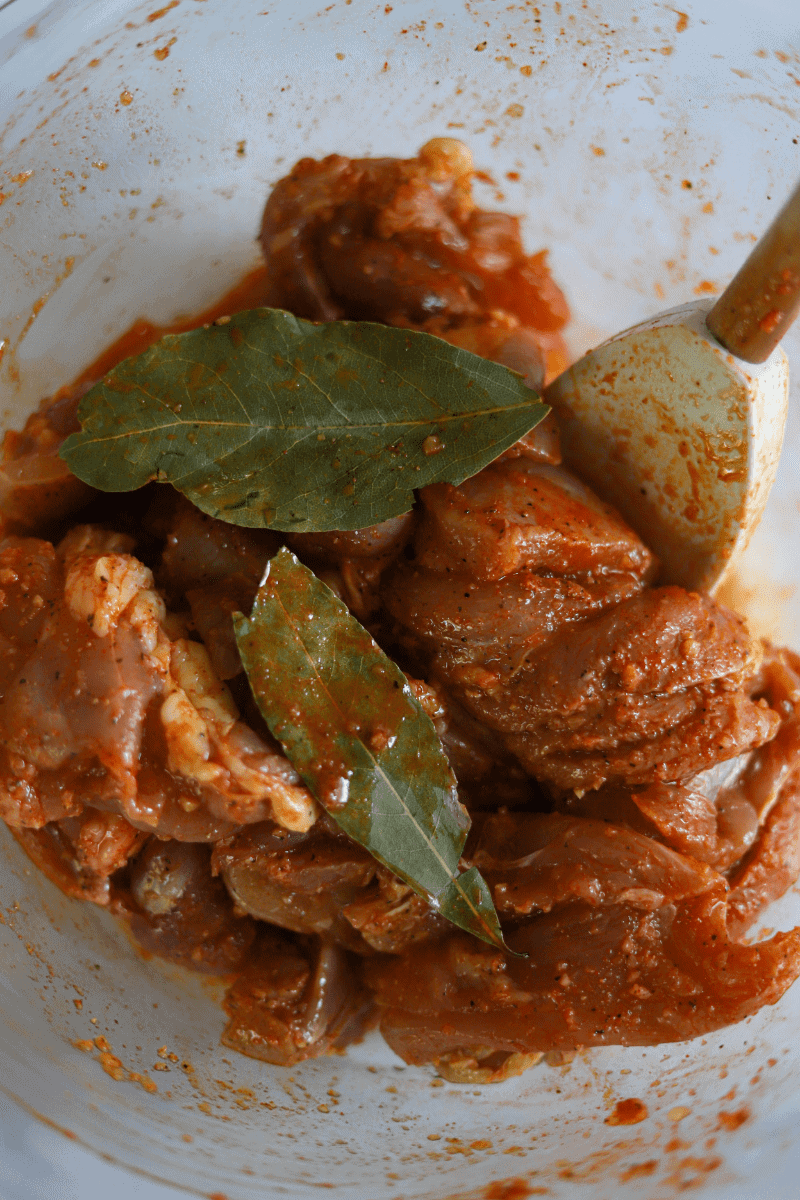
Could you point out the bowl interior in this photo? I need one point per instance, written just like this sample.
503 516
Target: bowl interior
646 147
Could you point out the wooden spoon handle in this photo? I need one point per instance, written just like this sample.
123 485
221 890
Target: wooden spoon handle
761 301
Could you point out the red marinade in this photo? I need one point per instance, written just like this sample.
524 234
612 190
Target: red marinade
627 751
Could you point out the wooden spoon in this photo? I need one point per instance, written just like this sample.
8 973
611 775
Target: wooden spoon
679 421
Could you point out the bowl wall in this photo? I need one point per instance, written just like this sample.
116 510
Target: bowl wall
647 148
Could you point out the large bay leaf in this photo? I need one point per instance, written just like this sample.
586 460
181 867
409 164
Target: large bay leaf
271 421
349 722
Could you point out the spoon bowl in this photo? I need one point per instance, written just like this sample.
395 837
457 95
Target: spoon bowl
680 435
679 421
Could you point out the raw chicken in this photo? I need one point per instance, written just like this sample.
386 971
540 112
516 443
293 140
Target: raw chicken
629 754
101 706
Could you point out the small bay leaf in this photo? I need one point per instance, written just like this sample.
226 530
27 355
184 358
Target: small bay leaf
354 731
467 902
274 422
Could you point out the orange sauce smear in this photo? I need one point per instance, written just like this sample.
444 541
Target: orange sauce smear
249 292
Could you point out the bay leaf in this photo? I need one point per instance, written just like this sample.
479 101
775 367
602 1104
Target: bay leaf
274 422
350 724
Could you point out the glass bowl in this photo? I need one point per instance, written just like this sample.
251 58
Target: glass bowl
647 147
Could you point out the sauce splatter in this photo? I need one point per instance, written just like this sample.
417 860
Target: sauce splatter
161 12
733 1120
627 1112
638 1170
112 1065
513 1189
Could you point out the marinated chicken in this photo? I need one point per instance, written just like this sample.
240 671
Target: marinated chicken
629 754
